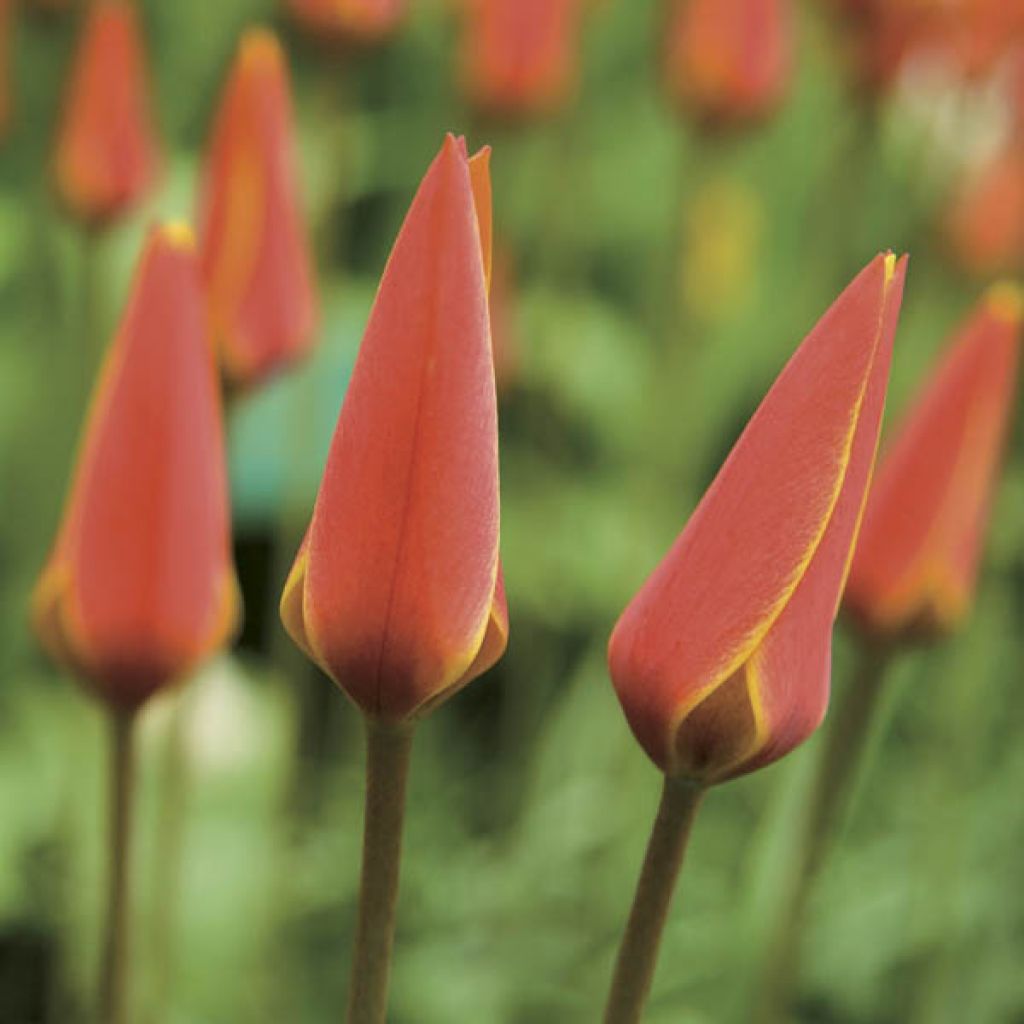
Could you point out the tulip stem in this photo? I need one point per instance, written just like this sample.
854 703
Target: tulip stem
388 749
114 991
846 737
638 954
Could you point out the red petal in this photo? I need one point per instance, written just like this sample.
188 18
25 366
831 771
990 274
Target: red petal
140 584
402 552
779 504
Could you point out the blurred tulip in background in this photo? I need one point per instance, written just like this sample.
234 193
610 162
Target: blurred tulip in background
107 152
255 256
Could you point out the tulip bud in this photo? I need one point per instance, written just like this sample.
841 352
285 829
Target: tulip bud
139 586
985 223
914 571
520 57
729 61
107 153
721 661
366 21
254 254
396 592
6 16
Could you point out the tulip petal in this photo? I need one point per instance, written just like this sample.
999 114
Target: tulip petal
254 252
140 586
106 149
917 557
400 580
769 543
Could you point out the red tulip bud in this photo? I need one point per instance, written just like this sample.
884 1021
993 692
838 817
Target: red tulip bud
139 586
721 661
254 254
107 152
729 60
917 558
396 592
520 57
985 222
365 21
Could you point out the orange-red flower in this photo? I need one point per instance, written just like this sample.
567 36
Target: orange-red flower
107 153
721 661
985 222
520 57
139 586
396 592
729 60
916 562
356 20
6 15
254 254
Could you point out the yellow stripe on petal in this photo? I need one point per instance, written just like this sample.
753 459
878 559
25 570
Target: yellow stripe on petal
291 607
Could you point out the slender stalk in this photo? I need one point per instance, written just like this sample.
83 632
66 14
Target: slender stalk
116 968
638 954
845 741
388 749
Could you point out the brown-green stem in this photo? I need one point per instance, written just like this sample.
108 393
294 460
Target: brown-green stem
638 954
388 748
846 736
114 992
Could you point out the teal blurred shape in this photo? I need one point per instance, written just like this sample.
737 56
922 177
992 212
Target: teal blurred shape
278 436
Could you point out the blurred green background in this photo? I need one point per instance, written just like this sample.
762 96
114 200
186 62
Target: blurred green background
660 277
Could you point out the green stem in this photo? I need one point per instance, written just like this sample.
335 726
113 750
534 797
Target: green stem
388 749
845 741
638 954
114 991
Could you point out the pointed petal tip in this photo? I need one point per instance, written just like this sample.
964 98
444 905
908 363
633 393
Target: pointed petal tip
259 48
178 234
1005 301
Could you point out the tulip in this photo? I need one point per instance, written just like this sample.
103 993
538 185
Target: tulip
107 153
721 661
367 21
984 226
729 61
520 57
917 559
139 586
254 255
396 592
6 18
912 574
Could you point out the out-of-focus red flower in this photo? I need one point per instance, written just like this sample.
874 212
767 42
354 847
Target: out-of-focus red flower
985 222
107 152
139 586
254 253
728 60
6 16
968 36
396 591
520 57
365 21
916 562
722 660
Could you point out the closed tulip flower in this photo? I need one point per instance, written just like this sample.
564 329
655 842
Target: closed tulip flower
254 253
728 61
722 660
520 57
396 592
984 225
107 152
365 21
917 558
139 587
